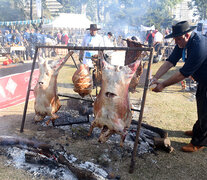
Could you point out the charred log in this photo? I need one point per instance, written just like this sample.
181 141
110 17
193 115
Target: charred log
79 172
41 153
9 140
161 132
163 143
36 158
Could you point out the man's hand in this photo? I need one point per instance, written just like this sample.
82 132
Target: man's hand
154 80
159 87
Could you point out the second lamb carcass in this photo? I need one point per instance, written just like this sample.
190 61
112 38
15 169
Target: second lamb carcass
112 108
46 99
132 56
82 80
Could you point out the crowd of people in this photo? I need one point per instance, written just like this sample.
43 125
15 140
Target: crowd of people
29 38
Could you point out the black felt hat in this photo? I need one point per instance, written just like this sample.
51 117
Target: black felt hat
93 27
109 33
179 29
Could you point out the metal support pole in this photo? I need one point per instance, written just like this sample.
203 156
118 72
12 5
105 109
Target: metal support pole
74 62
72 48
28 91
131 169
98 48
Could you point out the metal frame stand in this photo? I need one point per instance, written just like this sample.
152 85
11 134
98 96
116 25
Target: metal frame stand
146 85
99 49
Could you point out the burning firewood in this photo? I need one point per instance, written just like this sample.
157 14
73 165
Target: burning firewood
81 173
9 140
43 154
162 142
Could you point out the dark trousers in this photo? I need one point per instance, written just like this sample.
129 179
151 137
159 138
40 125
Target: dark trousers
200 127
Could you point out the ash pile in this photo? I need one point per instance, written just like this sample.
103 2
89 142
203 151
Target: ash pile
55 160
49 164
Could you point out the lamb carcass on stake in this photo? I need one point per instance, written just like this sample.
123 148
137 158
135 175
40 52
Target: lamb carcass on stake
46 98
132 56
112 108
82 80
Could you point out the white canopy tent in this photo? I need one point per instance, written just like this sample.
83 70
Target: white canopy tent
68 21
145 28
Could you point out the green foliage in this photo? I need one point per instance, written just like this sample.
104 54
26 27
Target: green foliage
9 12
107 12
201 6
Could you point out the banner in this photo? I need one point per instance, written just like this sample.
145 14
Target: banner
39 8
13 88
36 21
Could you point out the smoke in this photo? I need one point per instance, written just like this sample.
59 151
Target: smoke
124 18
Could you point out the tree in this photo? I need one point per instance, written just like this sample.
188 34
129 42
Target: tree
201 7
131 12
9 12
137 12
111 13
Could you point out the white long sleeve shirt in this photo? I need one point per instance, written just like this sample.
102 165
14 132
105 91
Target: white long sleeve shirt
91 41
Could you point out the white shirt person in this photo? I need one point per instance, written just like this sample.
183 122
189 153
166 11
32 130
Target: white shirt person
92 39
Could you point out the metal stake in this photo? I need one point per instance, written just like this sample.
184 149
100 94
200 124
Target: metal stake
28 91
131 169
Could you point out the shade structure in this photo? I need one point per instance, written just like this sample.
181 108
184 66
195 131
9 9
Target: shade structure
68 21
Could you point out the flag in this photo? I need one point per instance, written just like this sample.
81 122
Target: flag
39 8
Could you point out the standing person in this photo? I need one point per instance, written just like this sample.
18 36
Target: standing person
108 40
1 38
91 39
196 66
17 37
8 37
64 38
150 38
59 36
26 39
32 43
158 42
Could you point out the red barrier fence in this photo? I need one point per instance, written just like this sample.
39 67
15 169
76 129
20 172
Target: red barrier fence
13 88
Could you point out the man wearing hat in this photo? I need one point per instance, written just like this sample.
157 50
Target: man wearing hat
108 40
91 39
193 48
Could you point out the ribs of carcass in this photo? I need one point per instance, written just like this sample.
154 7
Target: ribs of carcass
112 108
46 98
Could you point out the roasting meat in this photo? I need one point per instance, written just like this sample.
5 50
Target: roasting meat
112 108
46 99
82 80
132 56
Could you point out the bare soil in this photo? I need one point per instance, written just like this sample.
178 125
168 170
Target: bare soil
173 110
